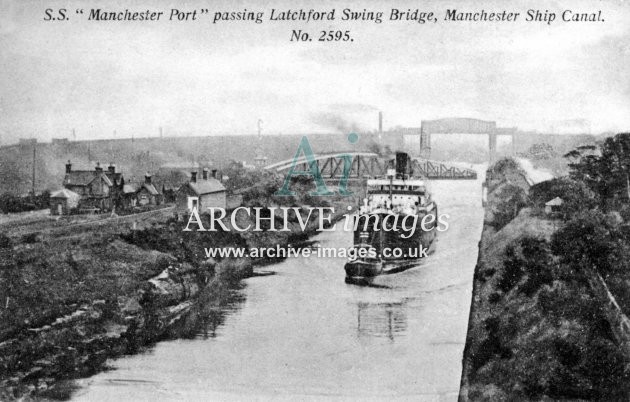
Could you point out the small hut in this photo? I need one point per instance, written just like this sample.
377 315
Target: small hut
201 194
62 202
553 206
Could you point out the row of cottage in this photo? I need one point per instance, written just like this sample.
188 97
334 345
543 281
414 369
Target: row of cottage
99 190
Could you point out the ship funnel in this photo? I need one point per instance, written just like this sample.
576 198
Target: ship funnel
404 167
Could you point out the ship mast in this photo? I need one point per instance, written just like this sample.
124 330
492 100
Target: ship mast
391 185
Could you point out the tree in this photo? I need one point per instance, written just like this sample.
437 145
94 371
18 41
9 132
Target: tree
592 241
540 151
9 203
576 195
511 200
606 173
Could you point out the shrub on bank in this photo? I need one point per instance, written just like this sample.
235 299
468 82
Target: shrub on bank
593 241
233 270
540 333
576 196
510 199
10 203
546 335
5 241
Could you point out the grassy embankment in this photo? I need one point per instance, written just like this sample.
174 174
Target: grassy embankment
73 299
537 329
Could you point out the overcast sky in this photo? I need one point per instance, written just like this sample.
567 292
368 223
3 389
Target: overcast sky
205 78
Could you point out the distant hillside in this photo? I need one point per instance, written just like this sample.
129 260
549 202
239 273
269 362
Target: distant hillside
136 157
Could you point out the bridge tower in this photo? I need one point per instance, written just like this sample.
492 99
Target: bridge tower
460 125
492 146
425 144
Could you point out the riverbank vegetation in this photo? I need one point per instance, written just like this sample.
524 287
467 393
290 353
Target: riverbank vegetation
72 300
542 322
10 203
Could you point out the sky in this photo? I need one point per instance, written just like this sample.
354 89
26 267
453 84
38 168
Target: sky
118 79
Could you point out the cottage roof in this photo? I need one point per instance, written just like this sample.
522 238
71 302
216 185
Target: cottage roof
84 177
129 188
114 177
64 193
150 188
79 177
206 186
556 201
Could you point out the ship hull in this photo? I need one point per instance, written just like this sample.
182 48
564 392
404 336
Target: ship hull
359 272
412 247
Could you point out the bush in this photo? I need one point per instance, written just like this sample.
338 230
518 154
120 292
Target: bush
5 241
589 240
232 270
494 297
10 203
512 271
511 200
528 258
537 264
576 195
541 151
491 346
503 166
31 238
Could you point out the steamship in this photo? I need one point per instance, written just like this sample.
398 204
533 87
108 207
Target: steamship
382 246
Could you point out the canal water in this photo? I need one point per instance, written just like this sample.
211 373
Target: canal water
304 334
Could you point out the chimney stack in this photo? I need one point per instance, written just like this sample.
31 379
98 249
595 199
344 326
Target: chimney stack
214 173
380 124
68 167
404 167
98 167
147 178
204 173
112 168
193 177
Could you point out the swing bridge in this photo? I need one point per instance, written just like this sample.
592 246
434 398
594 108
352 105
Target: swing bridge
365 165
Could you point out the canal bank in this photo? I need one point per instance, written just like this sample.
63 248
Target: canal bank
543 324
506 183
75 301
304 333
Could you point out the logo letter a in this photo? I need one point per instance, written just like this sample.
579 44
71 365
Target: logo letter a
313 170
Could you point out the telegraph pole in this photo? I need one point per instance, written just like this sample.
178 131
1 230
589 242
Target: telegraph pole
260 160
33 183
